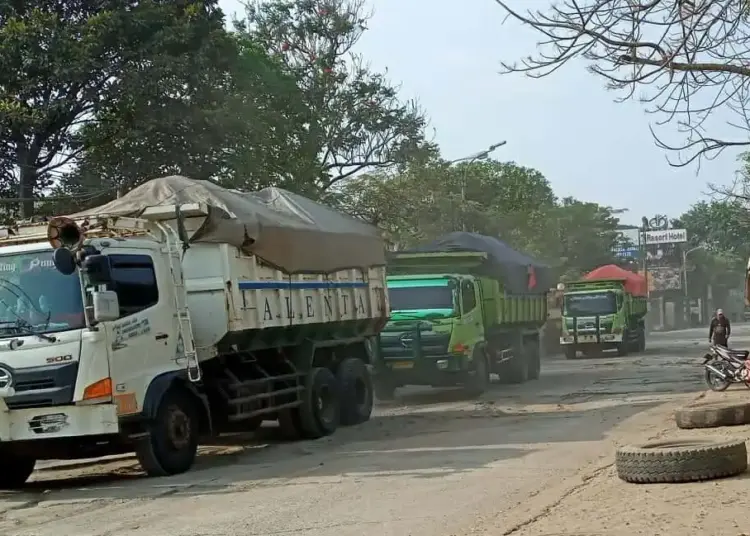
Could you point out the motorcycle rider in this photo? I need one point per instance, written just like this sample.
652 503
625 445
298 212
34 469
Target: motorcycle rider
720 329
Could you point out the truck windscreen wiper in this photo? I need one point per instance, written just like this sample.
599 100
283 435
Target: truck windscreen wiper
21 327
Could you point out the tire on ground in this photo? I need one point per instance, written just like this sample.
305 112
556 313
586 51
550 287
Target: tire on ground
712 414
355 389
689 460
171 443
479 382
570 351
319 414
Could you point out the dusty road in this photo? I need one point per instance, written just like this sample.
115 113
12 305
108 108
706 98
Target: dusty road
428 466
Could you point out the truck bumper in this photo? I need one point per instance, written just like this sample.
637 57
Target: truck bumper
605 338
56 421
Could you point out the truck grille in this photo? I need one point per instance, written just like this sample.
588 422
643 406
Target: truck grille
401 344
38 387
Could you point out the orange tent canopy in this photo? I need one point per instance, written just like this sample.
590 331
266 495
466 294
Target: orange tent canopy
634 284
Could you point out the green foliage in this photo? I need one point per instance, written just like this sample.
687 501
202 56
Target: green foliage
511 202
721 228
356 120
71 74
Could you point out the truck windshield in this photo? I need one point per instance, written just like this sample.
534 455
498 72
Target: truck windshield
599 303
420 298
35 297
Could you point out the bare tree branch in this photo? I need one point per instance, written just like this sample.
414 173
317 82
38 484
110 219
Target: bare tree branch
689 55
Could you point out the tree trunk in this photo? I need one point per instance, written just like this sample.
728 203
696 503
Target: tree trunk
26 186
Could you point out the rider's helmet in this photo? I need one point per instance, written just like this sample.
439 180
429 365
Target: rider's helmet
719 313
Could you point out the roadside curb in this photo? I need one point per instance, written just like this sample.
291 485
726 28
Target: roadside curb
547 500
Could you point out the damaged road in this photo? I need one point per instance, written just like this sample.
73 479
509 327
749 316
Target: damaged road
430 464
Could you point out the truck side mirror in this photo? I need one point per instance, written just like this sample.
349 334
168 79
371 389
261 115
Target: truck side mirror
106 305
98 269
64 261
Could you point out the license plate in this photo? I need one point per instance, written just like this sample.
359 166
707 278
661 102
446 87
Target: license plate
402 365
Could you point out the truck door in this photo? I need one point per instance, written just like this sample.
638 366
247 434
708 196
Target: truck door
470 312
143 338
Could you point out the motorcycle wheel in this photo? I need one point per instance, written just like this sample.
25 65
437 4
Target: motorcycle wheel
716 383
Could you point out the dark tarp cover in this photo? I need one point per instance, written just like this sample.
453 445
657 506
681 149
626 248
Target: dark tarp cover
519 273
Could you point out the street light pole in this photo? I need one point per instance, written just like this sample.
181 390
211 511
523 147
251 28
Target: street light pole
685 254
482 155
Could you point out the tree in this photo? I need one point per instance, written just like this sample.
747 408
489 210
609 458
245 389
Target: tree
721 228
240 126
356 120
686 56
64 65
586 238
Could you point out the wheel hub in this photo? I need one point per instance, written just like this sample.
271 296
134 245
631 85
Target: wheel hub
179 428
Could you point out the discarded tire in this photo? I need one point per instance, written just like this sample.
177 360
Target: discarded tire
690 460
712 414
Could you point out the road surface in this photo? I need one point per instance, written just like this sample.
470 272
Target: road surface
430 465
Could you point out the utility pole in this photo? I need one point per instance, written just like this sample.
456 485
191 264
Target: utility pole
482 155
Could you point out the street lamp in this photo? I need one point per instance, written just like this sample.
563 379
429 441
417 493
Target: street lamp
685 253
481 155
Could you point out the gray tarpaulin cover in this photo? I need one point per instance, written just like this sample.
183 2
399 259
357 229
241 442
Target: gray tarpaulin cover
506 264
289 231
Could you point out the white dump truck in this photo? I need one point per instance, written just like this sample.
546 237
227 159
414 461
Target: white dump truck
179 311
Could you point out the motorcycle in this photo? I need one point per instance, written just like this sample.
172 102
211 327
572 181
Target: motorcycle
725 367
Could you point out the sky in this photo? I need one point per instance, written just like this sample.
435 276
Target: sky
567 126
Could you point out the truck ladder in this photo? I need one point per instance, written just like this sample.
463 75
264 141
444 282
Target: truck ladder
184 323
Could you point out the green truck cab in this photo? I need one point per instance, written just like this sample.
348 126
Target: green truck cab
451 324
603 314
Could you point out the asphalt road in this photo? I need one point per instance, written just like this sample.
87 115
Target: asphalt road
430 465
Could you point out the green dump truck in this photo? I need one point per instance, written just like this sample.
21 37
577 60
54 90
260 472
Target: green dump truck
458 316
604 311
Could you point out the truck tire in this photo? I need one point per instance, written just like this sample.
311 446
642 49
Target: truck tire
712 415
355 388
171 443
570 351
623 347
690 460
517 369
478 383
319 413
15 470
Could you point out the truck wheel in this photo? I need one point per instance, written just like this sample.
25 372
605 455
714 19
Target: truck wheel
517 370
15 470
477 384
385 391
622 348
570 352
172 441
355 388
320 410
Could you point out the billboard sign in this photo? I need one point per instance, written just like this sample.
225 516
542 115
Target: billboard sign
667 236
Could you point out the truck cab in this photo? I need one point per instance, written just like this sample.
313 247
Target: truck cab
600 315
435 322
453 324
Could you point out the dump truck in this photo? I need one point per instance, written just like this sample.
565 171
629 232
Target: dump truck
604 311
178 312
461 308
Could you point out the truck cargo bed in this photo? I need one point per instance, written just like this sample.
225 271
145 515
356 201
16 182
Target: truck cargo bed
235 299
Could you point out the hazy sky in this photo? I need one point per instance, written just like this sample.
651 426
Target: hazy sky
568 126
